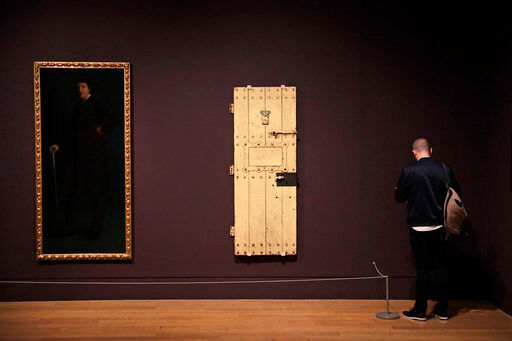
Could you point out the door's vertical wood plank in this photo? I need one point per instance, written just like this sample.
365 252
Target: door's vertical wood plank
289 194
274 201
241 181
257 216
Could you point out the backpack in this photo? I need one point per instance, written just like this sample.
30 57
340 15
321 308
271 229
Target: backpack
454 212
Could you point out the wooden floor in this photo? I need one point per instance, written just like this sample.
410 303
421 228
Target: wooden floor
242 320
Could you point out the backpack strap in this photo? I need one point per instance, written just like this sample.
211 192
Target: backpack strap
445 209
447 177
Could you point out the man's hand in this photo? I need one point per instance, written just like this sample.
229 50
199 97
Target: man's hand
100 131
54 148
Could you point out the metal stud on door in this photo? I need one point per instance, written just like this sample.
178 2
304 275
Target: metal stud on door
265 141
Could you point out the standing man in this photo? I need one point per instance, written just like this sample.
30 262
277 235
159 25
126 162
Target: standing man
423 186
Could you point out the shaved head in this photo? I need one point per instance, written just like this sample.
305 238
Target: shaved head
421 145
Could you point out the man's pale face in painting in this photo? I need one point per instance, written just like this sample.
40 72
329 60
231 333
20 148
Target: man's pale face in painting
83 90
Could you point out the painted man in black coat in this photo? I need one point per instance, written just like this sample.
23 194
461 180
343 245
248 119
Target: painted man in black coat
86 174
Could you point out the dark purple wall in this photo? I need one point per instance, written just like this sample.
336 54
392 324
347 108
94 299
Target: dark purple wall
498 195
370 77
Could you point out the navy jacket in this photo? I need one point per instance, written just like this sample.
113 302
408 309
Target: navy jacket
423 185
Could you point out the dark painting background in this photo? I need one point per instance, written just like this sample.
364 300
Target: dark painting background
371 76
59 98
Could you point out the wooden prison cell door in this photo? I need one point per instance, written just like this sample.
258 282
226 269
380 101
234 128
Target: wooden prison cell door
265 141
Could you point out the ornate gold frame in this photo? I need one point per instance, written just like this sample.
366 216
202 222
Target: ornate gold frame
127 161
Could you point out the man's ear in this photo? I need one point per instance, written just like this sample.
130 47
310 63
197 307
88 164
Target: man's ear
430 151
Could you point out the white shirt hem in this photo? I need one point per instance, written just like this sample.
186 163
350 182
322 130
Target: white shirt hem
426 228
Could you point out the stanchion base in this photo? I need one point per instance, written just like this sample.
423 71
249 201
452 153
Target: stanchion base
387 316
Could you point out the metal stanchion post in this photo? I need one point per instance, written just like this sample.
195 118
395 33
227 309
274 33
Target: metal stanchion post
386 315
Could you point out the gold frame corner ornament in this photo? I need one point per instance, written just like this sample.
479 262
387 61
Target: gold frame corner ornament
126 67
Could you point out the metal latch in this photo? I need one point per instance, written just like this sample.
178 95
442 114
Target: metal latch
232 231
265 116
231 108
231 169
290 132
286 179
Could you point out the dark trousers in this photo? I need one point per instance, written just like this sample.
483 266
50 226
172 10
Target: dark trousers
429 251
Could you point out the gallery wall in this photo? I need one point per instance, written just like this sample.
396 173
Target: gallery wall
370 78
498 196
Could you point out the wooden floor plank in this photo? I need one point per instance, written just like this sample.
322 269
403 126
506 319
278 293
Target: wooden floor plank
157 320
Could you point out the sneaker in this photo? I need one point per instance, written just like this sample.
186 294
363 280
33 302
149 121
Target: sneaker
415 314
441 314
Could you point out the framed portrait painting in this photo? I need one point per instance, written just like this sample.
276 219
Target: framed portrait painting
83 160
